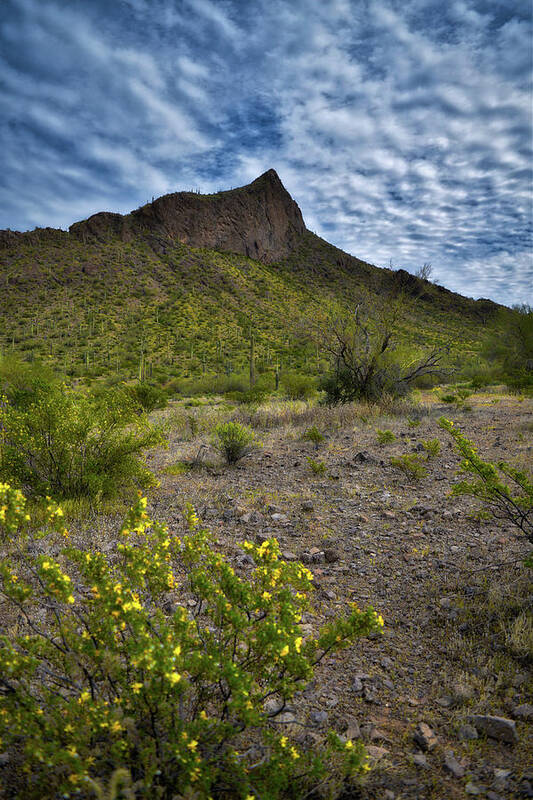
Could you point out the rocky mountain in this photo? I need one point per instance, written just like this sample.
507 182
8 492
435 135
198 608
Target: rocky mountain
184 279
260 221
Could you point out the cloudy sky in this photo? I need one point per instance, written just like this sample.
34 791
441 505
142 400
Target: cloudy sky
401 127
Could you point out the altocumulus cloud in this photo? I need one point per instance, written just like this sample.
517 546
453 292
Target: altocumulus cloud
403 130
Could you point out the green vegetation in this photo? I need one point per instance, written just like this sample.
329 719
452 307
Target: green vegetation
312 434
298 387
431 446
316 467
410 464
367 359
176 316
112 688
69 444
148 397
385 437
233 440
507 498
509 348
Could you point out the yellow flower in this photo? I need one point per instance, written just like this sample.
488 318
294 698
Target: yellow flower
284 651
298 643
177 650
294 753
283 741
136 687
266 595
84 696
174 677
193 744
348 745
115 726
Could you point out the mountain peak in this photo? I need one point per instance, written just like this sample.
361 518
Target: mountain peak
259 220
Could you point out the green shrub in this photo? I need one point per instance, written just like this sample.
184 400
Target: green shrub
431 446
298 387
233 440
511 501
449 398
410 464
148 397
118 686
68 444
385 437
413 423
316 467
313 435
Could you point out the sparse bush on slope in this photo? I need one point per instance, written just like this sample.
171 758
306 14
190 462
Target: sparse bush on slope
116 684
505 492
233 440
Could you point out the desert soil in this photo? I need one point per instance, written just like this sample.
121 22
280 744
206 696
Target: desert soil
420 557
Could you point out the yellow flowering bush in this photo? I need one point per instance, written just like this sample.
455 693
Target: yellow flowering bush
156 661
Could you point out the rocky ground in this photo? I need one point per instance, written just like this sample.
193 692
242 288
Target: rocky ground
452 648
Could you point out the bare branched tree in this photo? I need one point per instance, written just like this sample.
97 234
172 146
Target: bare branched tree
364 348
425 271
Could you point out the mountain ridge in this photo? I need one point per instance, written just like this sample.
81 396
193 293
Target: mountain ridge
259 220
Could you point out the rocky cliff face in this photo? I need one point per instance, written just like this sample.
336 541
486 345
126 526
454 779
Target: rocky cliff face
260 220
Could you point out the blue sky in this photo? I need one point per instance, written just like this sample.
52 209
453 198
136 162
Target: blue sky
401 127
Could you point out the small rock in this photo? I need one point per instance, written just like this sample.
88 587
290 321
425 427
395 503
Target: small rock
353 730
445 701
331 555
357 685
378 736
375 752
501 779
288 556
420 760
244 561
368 694
467 732
272 706
452 765
319 717
500 728
425 737
363 457
520 678
279 517
307 505
523 712
471 788
387 663
445 602
4 759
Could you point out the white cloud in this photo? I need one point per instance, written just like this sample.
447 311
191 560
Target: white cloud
403 130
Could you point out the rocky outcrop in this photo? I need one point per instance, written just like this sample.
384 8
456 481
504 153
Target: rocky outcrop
260 220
